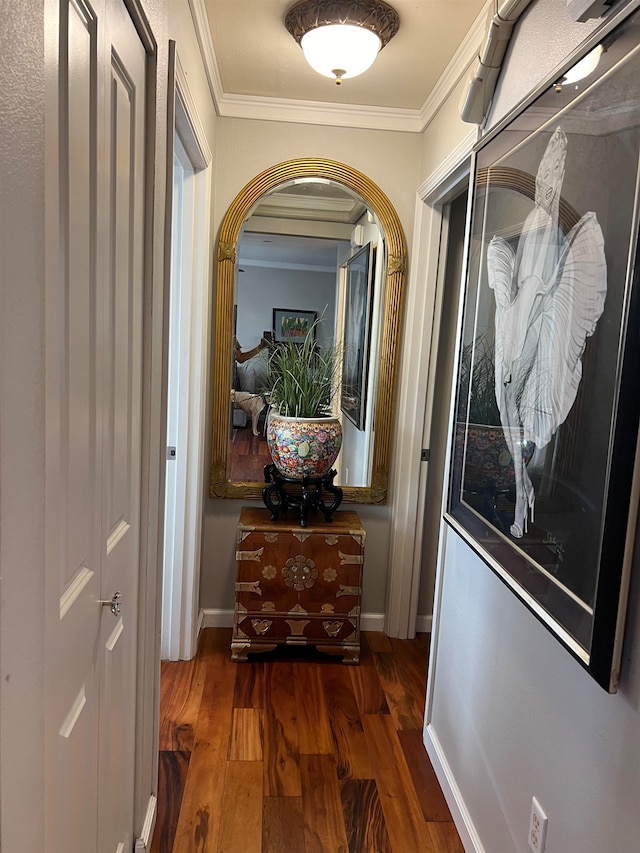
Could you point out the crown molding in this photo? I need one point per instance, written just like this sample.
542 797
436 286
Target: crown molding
316 112
336 115
205 42
284 265
468 51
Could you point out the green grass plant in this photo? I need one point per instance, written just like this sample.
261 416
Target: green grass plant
303 378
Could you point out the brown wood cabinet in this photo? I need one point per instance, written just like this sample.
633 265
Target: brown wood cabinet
298 586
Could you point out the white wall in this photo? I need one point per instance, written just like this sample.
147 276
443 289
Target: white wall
22 459
243 149
512 714
261 289
517 716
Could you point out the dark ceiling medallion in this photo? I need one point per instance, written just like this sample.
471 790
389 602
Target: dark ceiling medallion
374 15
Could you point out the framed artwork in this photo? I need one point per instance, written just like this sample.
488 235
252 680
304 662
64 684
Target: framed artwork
543 477
357 333
292 326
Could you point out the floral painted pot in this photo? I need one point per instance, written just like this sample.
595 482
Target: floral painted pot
303 447
488 465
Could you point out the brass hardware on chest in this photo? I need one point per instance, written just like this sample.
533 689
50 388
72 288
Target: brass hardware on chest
300 573
312 581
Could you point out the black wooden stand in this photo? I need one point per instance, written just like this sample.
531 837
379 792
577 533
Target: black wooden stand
284 493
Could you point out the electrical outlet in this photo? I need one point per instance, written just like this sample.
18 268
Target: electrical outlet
537 827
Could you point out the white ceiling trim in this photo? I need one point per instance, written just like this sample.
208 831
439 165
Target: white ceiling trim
203 34
284 265
315 112
337 115
468 51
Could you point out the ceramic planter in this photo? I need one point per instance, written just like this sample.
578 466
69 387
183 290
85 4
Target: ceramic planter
488 463
303 447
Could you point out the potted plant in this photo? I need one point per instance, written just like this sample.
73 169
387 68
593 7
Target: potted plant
303 435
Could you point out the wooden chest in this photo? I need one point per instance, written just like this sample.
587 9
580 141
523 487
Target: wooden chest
298 586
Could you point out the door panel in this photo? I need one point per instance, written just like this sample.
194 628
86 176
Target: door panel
95 200
73 435
124 137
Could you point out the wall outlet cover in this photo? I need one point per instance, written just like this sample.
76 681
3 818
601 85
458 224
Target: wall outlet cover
537 827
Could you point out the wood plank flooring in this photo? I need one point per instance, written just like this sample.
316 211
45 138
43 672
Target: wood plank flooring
247 455
294 752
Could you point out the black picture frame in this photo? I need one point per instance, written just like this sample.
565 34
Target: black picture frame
543 479
291 325
357 334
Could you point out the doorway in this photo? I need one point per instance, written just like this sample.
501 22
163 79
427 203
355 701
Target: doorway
189 311
436 432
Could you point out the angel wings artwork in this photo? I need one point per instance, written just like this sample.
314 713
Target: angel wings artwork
549 295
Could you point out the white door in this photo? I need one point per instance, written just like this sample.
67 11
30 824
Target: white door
95 236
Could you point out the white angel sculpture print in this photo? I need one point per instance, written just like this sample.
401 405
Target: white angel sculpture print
549 294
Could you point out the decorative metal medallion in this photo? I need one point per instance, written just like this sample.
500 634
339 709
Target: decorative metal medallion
331 539
269 572
332 628
227 252
300 572
261 626
373 15
397 264
271 537
329 575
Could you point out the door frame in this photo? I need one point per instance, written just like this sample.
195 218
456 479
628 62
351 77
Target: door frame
421 334
183 523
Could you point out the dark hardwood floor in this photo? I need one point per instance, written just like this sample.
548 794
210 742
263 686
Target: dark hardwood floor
247 455
294 752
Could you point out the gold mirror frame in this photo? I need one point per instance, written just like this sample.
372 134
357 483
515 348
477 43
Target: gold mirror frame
396 254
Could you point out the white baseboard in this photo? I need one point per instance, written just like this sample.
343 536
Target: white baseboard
372 621
423 624
143 843
461 817
214 618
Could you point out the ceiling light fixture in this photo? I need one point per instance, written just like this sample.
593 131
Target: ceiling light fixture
341 38
585 67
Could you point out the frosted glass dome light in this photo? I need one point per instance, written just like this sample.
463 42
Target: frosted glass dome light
340 50
585 67
341 38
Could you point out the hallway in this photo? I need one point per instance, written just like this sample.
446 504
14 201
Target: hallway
295 752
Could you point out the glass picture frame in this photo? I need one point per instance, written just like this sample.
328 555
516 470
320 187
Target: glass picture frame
543 480
357 334
292 325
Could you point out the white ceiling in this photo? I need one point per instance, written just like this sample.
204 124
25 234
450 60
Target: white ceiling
256 64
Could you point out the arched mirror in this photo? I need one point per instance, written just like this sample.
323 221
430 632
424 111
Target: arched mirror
304 239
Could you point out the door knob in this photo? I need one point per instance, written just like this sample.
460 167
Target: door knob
113 603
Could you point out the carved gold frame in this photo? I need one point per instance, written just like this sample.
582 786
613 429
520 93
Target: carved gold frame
396 254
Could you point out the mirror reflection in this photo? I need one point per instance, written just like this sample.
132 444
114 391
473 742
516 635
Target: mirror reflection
307 239
310 256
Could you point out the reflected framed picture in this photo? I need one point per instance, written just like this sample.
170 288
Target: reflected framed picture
543 477
357 334
292 326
